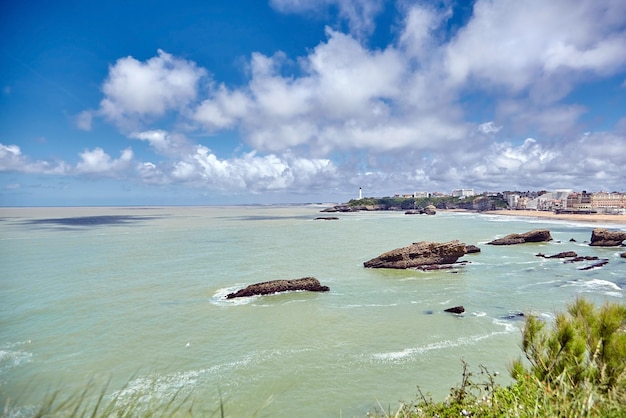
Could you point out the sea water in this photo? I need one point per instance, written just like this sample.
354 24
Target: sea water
132 302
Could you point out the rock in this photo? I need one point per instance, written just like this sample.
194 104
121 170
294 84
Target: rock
471 249
514 316
327 218
623 255
601 237
419 254
582 258
455 310
536 235
596 265
565 254
310 284
429 210
572 240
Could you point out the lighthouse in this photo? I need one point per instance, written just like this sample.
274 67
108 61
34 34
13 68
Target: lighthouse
360 194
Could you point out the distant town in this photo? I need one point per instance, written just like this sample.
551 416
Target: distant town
558 201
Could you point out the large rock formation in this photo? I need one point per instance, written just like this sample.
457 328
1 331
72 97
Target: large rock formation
601 237
419 255
265 288
536 235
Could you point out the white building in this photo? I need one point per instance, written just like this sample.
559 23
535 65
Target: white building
463 193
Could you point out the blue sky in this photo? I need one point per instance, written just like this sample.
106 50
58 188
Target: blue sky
222 102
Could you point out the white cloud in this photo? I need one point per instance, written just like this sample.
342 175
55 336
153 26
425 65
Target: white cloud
99 162
512 44
489 128
251 172
360 14
12 160
84 120
164 143
400 112
136 90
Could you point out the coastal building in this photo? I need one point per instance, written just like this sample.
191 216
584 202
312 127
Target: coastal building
513 200
550 201
579 202
463 193
608 202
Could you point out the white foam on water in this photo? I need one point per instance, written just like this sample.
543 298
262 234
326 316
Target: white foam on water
219 298
370 305
604 287
12 356
411 352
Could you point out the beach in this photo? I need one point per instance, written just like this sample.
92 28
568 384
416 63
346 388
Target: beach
597 218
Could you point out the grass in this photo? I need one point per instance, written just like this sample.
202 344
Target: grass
575 369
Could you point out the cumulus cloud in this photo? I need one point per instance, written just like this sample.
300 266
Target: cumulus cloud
12 160
252 172
135 91
515 44
165 143
99 162
479 106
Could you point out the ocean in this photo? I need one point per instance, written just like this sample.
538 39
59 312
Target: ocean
132 299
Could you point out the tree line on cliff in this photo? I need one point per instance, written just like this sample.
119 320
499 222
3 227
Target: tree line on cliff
479 203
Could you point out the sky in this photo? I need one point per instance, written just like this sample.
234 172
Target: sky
153 102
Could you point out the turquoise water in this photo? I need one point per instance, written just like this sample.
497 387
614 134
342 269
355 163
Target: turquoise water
135 297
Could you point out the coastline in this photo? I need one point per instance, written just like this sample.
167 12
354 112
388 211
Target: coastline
592 218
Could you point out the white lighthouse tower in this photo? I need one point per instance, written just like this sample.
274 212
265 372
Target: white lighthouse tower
360 194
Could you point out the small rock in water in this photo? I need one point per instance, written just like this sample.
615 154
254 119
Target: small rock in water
456 310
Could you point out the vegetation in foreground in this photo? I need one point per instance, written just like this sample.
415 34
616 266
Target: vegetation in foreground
575 369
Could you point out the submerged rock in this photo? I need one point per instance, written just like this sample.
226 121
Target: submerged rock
565 254
536 235
596 265
310 284
455 310
419 255
601 237
327 218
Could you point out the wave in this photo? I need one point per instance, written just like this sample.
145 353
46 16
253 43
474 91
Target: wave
11 356
412 352
165 387
604 287
219 297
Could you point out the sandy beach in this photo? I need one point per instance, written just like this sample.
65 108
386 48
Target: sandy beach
600 218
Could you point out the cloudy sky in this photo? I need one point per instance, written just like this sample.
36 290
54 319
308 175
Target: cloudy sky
218 102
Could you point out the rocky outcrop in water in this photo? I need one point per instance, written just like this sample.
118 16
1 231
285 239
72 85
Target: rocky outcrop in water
419 255
600 263
471 249
327 218
310 284
455 310
428 210
536 235
565 254
601 237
